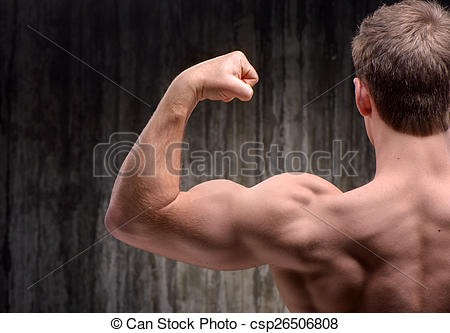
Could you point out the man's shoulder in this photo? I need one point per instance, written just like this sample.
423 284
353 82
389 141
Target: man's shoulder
297 181
301 196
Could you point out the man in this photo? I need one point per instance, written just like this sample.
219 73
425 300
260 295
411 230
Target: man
382 247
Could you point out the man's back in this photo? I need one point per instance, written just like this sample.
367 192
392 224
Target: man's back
393 253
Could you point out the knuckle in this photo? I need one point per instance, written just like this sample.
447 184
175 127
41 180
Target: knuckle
238 53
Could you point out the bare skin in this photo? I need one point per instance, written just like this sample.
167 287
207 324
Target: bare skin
382 247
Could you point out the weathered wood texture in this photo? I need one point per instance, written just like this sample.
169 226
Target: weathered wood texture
54 110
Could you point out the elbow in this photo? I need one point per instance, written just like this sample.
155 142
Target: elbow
115 222
111 221
108 221
128 224
119 211
117 225
132 229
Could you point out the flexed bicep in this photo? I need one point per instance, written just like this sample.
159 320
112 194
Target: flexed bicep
222 225
206 226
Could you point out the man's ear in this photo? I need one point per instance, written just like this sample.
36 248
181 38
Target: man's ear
362 97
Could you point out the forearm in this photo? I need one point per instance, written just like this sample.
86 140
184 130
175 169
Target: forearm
155 183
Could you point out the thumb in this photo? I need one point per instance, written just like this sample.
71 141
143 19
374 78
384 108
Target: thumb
240 89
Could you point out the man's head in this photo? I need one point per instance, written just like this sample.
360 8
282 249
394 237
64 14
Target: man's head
402 59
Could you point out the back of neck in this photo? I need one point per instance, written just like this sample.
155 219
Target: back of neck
406 155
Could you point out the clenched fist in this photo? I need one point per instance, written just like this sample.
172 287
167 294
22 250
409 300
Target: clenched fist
222 78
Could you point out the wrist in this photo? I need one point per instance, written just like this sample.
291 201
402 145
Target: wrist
182 95
188 83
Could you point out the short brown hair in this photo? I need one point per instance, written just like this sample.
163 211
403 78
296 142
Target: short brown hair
402 52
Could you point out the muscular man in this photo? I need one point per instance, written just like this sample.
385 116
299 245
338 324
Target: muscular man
382 247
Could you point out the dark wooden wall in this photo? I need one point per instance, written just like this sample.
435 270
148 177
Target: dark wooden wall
54 110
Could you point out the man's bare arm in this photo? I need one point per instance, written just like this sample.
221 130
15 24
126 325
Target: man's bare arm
217 224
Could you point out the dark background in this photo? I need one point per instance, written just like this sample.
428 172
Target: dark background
54 110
